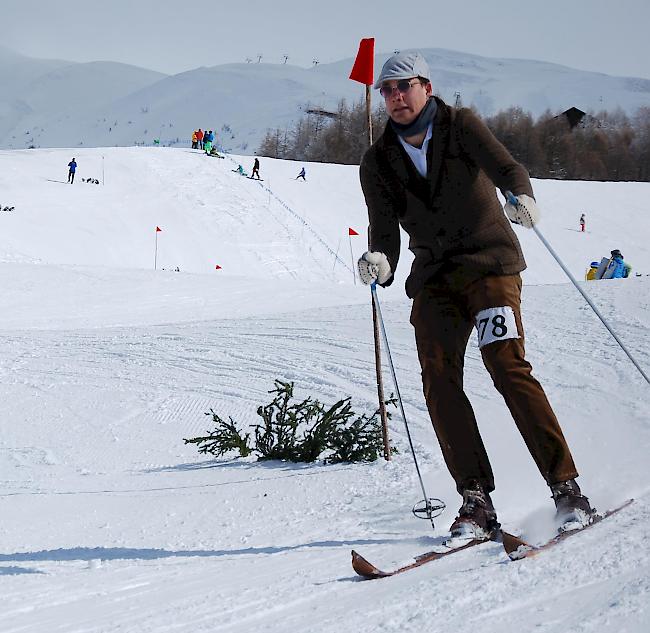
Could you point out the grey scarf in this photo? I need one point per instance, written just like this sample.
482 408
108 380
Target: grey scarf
420 124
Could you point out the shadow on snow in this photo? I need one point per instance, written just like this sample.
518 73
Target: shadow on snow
130 553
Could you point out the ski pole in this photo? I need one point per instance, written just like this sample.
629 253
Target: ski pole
512 199
429 508
380 382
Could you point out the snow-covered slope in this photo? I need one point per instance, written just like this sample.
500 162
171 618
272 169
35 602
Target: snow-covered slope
273 229
113 104
109 523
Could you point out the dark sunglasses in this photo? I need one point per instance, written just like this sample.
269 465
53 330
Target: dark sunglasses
403 85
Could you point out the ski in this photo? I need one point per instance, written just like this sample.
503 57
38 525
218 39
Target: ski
518 549
515 547
368 571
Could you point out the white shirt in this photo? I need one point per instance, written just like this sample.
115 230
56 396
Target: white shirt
418 155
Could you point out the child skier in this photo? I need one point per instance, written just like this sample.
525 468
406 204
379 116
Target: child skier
240 171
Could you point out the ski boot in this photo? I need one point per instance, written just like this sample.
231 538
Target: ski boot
477 518
573 510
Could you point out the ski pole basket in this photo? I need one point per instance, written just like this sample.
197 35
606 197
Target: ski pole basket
429 509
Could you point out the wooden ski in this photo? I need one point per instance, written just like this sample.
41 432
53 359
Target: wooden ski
517 549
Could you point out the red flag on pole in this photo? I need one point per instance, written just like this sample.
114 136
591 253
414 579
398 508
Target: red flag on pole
351 231
364 64
158 229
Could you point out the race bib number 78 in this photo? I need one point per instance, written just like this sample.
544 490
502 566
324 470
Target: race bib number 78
495 324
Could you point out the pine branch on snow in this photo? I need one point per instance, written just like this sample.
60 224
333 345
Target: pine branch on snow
224 438
302 431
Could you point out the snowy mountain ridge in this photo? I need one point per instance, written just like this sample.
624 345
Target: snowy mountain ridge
62 104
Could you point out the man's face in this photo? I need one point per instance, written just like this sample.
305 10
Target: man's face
404 104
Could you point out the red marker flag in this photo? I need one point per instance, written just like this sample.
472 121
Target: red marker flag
217 267
364 65
158 229
351 231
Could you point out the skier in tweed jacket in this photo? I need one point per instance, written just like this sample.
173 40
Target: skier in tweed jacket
433 172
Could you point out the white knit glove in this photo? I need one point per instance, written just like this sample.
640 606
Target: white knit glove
522 210
374 266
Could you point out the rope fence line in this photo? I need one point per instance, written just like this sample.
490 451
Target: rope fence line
298 217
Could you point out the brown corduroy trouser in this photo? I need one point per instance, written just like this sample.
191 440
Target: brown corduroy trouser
443 316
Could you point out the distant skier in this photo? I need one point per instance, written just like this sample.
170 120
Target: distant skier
616 268
195 141
72 168
199 138
465 276
301 175
256 169
240 171
582 223
207 141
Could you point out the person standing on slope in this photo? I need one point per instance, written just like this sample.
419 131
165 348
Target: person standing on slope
433 172
256 169
582 223
72 168
208 137
301 175
199 138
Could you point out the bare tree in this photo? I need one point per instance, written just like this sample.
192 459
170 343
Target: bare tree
605 146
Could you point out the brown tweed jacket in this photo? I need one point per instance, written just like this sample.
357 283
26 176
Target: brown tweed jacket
453 216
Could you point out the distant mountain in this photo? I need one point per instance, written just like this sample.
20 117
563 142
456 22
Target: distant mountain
18 71
49 103
39 95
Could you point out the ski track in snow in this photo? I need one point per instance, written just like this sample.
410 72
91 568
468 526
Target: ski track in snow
159 383
110 523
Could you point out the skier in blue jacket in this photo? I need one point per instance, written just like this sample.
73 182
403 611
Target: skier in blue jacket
616 269
208 139
72 167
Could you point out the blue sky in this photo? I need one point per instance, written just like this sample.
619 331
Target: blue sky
172 35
